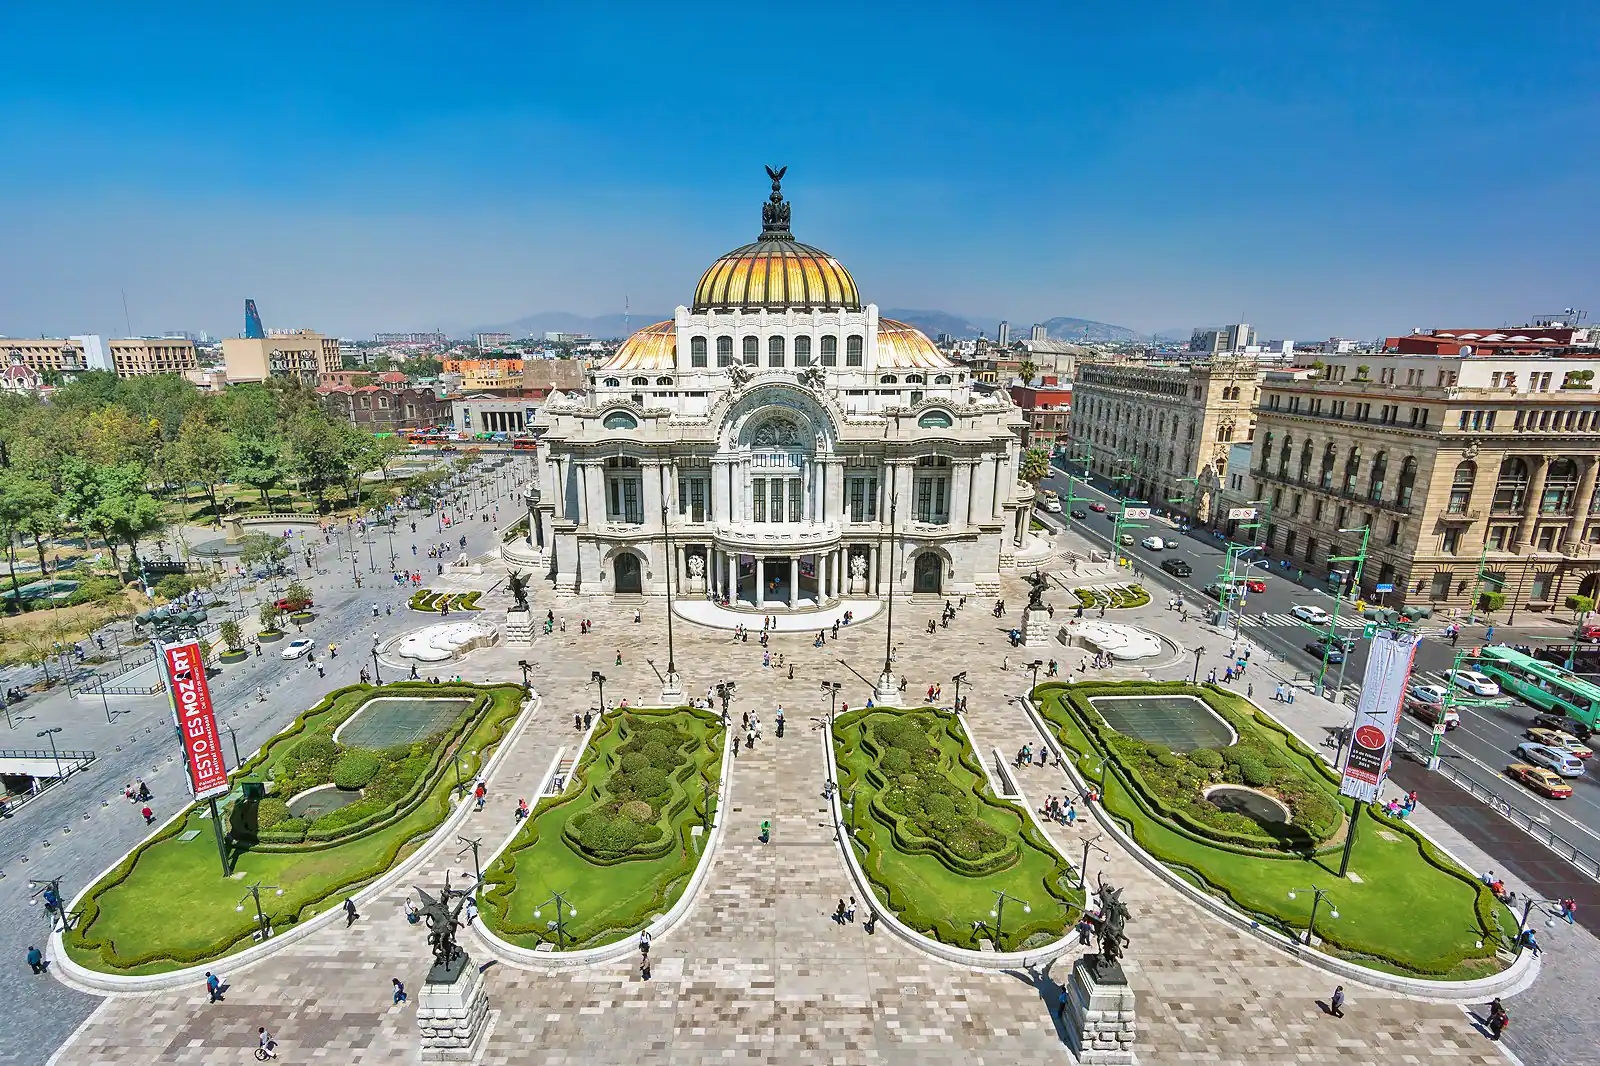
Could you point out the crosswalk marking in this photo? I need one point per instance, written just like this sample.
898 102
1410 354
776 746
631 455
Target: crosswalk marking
1291 620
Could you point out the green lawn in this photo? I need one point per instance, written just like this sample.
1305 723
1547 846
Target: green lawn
1413 911
619 850
941 885
167 904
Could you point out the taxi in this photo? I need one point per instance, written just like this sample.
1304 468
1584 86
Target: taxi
1545 782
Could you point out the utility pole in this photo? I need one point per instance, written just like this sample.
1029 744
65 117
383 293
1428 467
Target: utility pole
1360 559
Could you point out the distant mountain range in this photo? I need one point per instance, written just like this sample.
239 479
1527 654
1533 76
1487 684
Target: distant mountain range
933 323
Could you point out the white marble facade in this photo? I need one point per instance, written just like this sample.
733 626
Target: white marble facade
759 443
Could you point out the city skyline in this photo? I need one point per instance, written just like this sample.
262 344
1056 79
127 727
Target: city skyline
1354 174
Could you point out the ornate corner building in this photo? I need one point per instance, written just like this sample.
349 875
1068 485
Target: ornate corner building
777 445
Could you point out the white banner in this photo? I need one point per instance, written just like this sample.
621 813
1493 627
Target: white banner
1241 512
1383 687
1136 512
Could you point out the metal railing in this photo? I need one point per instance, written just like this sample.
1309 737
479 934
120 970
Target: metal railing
1419 749
79 759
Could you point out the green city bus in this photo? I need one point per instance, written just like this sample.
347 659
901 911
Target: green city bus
1544 685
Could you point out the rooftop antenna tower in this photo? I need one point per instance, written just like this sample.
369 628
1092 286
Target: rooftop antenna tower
626 315
127 321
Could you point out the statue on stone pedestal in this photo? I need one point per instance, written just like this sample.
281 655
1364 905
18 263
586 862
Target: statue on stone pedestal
858 566
518 586
443 920
1114 918
1038 584
697 565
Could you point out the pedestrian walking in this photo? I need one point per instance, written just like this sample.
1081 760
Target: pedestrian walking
644 943
850 910
838 913
399 990
37 964
148 815
350 914
1072 814
481 794
411 912
1336 1002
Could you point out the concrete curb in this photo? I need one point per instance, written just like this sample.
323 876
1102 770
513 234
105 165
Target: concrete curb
662 925
1515 978
84 979
972 960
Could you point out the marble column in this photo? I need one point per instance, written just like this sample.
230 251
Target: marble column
794 582
1580 503
961 494
872 570
761 581
1530 510
730 580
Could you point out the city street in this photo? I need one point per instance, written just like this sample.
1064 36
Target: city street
75 830
1480 748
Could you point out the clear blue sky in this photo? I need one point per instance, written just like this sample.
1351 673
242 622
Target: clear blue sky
1314 169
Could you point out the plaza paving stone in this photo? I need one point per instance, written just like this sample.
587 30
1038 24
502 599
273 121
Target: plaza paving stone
758 972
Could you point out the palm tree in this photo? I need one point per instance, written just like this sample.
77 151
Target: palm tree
1028 369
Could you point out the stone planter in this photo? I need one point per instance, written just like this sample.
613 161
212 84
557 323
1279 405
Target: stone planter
301 617
231 657
267 636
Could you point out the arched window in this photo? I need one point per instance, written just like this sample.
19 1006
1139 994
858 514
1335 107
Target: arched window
852 351
775 351
612 383
1283 460
639 381
752 351
724 351
619 420
1325 477
935 420
1461 487
1510 487
663 381
1408 480
1352 468
913 379
802 351
830 350
697 351
1266 451
941 379
1380 467
1560 488
888 379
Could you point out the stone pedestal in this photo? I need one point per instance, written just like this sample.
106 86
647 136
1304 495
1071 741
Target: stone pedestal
519 629
1099 1014
672 690
453 1015
1036 628
886 693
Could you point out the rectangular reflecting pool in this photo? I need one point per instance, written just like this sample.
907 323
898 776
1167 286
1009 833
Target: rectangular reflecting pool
386 721
1182 723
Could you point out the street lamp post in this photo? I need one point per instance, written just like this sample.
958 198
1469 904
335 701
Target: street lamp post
1083 867
235 738
525 666
597 678
832 689
1034 666
1317 896
1195 678
886 681
372 564
958 679
51 733
377 677
706 792
674 688
999 911
564 910
477 870
253 893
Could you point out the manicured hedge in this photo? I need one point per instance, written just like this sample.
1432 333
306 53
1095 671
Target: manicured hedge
1125 596
430 601
490 730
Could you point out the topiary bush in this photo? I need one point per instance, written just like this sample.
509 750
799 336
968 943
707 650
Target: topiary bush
271 813
1206 758
356 768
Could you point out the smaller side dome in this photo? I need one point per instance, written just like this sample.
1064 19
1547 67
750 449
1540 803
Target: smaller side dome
902 346
653 348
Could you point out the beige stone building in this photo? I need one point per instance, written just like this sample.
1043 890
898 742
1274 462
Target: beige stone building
1471 471
1165 428
44 353
302 353
138 356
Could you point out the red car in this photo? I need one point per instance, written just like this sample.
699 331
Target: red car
1098 508
1255 584
293 604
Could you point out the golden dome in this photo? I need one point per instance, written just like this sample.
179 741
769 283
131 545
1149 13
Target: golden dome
905 347
777 272
653 348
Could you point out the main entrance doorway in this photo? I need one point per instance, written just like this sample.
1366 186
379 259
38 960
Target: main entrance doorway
929 573
626 566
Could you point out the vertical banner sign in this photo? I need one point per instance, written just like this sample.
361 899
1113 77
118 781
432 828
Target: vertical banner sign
1383 687
195 719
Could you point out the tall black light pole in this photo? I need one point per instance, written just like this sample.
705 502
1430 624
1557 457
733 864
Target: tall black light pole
477 870
237 762
887 682
51 733
596 677
564 910
667 561
253 893
1034 666
372 564
1317 896
377 676
958 679
832 689
1196 678
526 666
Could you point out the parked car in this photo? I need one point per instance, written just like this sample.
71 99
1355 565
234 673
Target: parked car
1563 763
298 648
1539 780
1177 567
1426 693
1476 683
1309 613
1078 512
1097 507
1326 650
1154 544
1255 584
1432 713
292 605
1557 738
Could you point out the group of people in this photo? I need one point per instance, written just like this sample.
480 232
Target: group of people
1059 809
1401 808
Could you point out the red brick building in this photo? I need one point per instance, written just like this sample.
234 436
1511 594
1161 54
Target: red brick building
384 410
1048 408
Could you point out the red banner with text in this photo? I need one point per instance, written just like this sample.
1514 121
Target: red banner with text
196 721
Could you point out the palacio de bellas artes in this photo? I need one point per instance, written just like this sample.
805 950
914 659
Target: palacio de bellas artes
779 448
